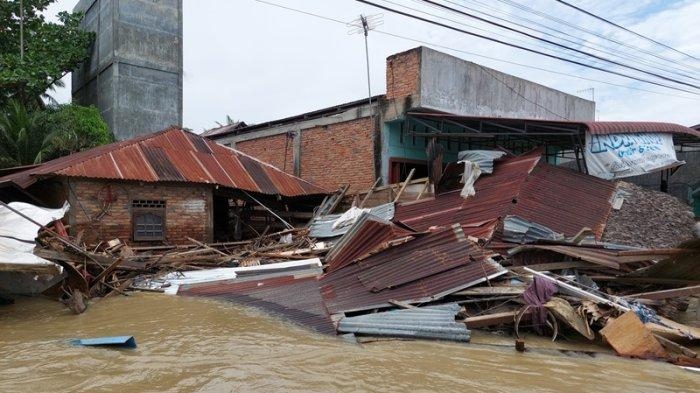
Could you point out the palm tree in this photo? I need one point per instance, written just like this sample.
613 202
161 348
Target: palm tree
22 140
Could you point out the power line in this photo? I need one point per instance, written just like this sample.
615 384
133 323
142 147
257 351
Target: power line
524 48
624 28
573 26
531 66
561 45
545 47
615 52
419 41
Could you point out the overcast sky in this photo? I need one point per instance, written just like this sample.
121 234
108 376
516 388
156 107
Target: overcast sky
256 62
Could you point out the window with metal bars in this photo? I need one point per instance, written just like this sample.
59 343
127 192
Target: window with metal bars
148 219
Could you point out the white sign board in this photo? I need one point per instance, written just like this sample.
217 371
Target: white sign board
614 156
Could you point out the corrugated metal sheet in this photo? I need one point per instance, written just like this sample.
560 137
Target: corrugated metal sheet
172 155
484 158
624 127
600 256
434 322
367 235
294 297
683 265
322 227
495 193
518 230
561 199
413 273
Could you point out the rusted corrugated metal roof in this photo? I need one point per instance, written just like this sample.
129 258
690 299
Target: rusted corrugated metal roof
171 155
367 235
290 296
559 198
426 268
626 127
600 256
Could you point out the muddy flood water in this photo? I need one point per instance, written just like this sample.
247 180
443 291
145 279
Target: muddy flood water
188 344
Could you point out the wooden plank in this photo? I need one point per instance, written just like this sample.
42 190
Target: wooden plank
491 291
629 337
401 304
369 192
207 247
668 293
405 183
541 267
672 346
491 319
645 280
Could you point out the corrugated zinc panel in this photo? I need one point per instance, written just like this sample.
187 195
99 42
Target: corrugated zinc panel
161 164
171 155
432 322
343 290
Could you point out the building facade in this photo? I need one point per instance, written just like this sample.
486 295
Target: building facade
355 144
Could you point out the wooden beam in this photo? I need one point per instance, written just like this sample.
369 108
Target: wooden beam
370 192
405 183
491 319
668 293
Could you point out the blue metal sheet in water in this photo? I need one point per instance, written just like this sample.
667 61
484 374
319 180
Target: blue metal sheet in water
110 341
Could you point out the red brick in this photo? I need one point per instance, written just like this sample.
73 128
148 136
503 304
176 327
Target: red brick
101 220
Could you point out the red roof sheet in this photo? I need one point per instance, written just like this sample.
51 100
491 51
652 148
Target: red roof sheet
559 198
171 155
368 235
295 298
622 127
426 268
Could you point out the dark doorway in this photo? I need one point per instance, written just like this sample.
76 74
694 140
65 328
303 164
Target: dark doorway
400 168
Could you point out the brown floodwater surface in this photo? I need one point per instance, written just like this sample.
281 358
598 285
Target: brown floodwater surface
189 344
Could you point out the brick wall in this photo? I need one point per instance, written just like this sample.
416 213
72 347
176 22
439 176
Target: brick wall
271 149
403 74
338 154
188 209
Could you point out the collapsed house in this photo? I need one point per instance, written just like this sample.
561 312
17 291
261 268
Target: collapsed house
170 187
446 263
164 187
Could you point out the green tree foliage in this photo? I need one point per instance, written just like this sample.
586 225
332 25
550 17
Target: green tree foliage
31 136
22 140
74 128
50 50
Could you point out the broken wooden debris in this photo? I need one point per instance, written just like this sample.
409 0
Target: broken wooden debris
629 337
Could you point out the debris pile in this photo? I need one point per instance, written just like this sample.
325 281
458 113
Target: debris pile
534 247
648 218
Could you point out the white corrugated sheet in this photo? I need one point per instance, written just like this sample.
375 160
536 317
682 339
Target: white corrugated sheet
17 234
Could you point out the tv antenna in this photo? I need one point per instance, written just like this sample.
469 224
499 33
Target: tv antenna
363 25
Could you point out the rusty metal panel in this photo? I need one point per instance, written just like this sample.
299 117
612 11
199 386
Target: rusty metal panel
295 298
624 127
559 198
495 194
565 200
282 181
344 291
161 164
367 235
233 167
171 155
199 143
256 171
